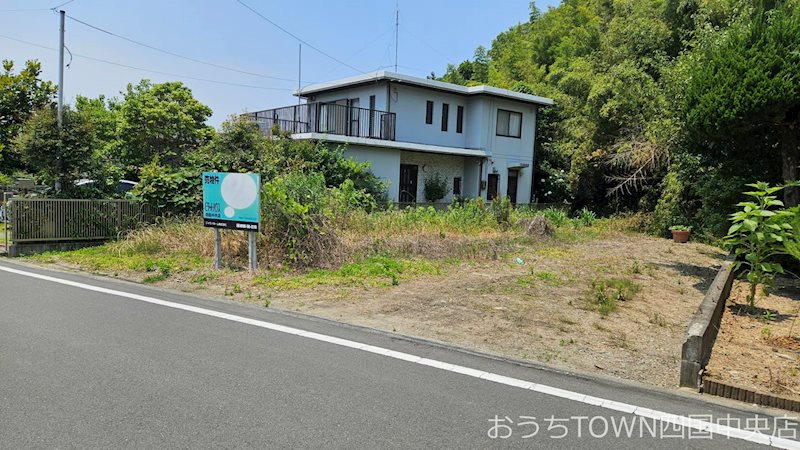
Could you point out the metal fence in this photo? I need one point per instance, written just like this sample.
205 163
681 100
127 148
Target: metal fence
520 206
330 118
48 220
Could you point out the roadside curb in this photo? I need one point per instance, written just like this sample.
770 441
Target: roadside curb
720 389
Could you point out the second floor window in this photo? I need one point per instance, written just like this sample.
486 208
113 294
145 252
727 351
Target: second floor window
509 123
460 119
429 112
445 115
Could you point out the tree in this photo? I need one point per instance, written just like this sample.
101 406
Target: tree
20 95
102 113
240 146
59 155
743 102
468 73
480 65
535 13
160 120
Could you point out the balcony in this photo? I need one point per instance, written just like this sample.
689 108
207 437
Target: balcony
330 118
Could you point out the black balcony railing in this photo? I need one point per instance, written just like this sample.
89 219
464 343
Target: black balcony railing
328 118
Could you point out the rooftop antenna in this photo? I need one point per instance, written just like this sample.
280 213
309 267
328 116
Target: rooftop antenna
299 70
396 32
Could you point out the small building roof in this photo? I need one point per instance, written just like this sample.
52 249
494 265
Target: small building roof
382 75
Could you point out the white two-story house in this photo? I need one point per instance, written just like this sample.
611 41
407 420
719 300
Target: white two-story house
479 138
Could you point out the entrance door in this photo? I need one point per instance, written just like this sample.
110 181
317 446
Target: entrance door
513 175
491 191
408 183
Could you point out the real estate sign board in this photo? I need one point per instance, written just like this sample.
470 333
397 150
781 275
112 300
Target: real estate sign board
231 200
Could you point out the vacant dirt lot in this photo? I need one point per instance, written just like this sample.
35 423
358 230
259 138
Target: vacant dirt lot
538 303
543 310
760 350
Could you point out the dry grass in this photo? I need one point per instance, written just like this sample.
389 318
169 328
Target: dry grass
351 239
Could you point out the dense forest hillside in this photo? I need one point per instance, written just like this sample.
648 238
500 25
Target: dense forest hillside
664 106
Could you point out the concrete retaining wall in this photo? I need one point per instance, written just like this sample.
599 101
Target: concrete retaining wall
703 328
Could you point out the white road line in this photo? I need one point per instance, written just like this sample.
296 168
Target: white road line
683 421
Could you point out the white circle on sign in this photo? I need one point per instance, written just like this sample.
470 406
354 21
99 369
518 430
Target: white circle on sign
239 191
229 212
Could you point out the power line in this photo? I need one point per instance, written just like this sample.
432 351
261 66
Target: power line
24 9
187 77
177 55
38 9
424 42
369 44
62 4
297 37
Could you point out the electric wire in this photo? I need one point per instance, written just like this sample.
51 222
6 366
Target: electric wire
177 55
265 18
128 66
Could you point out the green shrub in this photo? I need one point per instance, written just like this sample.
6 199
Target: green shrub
757 237
501 208
296 213
469 215
557 217
178 191
435 187
587 217
348 197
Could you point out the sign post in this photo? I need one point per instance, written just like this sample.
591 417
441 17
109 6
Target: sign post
232 201
251 251
217 249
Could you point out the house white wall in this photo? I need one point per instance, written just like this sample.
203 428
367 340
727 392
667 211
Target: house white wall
505 152
409 103
471 177
384 163
362 93
479 132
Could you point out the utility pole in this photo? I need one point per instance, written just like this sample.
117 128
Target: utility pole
61 69
396 32
60 113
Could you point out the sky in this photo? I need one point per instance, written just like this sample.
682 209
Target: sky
359 34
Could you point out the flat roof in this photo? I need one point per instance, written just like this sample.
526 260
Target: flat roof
421 82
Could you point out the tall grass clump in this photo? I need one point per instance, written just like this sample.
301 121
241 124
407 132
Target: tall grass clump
166 236
557 217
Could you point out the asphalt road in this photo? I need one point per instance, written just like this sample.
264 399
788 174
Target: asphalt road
82 368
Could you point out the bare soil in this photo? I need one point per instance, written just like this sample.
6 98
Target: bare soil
539 310
760 349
